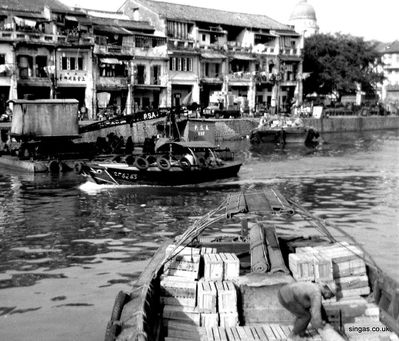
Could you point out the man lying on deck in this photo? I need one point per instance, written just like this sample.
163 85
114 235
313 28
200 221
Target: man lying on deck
303 299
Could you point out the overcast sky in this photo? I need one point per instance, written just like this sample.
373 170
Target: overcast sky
371 19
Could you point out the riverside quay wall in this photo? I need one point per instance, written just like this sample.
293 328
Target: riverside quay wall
239 128
234 129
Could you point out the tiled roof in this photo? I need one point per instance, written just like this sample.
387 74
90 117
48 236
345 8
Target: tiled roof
32 5
391 47
192 13
128 24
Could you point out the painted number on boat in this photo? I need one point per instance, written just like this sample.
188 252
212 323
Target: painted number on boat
125 176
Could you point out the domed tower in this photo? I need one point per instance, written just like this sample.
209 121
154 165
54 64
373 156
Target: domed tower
303 18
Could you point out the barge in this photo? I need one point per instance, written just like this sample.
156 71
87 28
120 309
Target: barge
205 286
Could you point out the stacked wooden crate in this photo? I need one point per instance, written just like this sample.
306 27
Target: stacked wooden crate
308 264
179 287
349 269
192 299
339 263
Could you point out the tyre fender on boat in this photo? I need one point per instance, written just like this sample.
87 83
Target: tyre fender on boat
163 163
141 163
130 159
202 162
120 300
255 138
184 163
151 159
53 166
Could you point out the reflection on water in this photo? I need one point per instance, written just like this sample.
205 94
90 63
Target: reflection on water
68 248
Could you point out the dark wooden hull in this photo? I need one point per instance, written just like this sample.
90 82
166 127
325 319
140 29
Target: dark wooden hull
122 174
300 135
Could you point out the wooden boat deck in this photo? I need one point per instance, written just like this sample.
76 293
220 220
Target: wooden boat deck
225 287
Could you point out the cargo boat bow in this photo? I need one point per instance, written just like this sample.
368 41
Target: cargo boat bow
207 287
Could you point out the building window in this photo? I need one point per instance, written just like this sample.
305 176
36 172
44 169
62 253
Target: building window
41 66
156 74
181 64
72 63
64 63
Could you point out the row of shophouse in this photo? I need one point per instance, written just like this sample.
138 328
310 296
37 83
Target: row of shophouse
149 54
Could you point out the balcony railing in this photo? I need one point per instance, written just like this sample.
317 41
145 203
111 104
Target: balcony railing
240 75
37 37
114 49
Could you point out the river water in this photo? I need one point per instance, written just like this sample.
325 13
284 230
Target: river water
67 248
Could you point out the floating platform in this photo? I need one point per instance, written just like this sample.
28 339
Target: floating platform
39 166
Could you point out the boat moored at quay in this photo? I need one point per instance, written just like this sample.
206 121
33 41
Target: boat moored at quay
203 286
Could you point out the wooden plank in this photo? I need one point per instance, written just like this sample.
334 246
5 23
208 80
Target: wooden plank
286 330
222 333
177 313
230 335
178 301
235 333
248 332
241 333
269 332
278 331
260 333
185 334
183 325
209 334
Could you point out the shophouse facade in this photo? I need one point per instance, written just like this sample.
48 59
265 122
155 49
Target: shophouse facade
253 57
109 63
389 89
149 54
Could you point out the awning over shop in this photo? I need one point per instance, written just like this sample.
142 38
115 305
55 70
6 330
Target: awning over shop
149 87
112 29
243 57
207 55
110 61
24 22
70 18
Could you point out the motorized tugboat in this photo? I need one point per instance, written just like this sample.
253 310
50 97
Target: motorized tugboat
203 286
170 163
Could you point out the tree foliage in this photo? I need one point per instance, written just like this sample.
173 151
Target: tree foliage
337 63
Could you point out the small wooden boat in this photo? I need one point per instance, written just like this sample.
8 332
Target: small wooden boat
171 163
207 287
284 132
